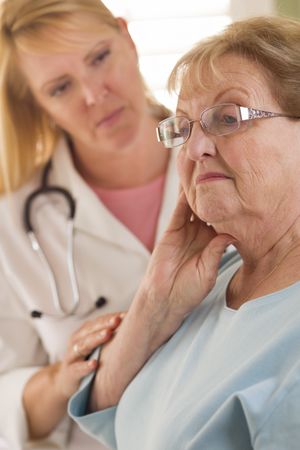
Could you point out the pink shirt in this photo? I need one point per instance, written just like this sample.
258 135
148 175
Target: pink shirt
137 208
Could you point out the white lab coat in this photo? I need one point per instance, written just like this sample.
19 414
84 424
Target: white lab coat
109 260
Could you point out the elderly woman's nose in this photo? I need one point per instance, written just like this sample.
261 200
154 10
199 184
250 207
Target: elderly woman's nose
200 145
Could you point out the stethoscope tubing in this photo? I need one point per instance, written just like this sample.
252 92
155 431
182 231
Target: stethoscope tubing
45 189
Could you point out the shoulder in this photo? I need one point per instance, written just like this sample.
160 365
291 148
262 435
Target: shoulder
12 204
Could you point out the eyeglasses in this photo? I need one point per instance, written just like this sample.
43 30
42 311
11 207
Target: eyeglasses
218 120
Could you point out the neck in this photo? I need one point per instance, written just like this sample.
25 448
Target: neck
132 165
267 269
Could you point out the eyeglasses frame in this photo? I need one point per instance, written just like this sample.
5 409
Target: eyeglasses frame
245 113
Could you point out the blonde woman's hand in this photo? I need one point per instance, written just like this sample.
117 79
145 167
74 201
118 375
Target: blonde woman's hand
47 392
82 343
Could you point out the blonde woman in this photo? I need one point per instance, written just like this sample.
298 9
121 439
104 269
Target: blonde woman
86 191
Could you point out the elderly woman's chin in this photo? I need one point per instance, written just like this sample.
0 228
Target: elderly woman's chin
213 212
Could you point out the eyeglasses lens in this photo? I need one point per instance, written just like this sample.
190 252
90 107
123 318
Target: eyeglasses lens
221 119
174 131
217 120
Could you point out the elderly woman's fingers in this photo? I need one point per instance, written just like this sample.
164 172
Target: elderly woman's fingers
181 214
186 221
209 260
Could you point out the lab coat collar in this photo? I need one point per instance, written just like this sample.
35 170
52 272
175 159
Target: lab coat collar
92 216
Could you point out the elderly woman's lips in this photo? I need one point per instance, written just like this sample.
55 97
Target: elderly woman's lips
211 176
110 118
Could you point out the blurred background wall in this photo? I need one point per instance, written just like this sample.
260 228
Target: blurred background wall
288 7
165 29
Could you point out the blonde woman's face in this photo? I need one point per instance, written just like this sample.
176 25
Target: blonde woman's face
94 92
252 176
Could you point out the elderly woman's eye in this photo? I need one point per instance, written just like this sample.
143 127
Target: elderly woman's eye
180 131
228 119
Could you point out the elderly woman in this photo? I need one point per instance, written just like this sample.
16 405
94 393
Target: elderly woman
229 377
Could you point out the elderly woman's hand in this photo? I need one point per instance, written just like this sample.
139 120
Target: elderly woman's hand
185 263
182 270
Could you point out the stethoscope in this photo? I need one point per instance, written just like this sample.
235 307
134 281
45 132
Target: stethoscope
61 312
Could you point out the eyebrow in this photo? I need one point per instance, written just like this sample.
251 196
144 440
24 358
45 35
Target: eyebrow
240 90
91 52
86 59
53 82
180 111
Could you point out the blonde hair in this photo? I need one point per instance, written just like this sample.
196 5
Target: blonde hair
27 135
271 42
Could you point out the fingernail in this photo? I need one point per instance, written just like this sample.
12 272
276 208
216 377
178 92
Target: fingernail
93 363
112 321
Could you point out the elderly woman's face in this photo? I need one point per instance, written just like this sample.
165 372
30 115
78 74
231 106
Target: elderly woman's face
251 173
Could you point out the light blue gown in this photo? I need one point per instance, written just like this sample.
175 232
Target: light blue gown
227 380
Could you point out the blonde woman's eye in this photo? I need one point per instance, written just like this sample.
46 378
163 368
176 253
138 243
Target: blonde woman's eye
57 91
101 56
